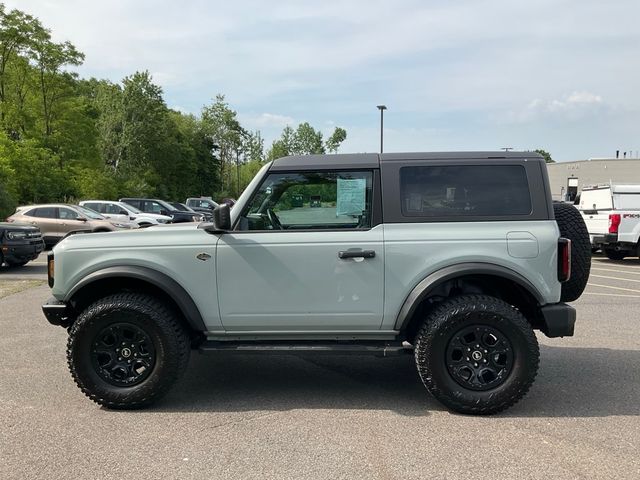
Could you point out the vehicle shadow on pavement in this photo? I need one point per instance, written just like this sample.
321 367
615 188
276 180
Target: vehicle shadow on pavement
572 382
235 382
583 382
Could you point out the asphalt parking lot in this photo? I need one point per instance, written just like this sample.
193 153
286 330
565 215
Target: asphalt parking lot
328 417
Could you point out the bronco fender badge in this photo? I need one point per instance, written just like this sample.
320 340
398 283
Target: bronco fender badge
203 256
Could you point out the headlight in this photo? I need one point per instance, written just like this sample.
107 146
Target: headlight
121 225
162 220
16 235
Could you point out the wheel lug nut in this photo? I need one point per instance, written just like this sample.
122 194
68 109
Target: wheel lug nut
485 360
119 358
485 351
128 361
475 364
467 359
468 349
135 354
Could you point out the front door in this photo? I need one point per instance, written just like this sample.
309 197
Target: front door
305 255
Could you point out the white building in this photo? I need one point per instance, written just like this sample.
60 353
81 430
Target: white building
568 178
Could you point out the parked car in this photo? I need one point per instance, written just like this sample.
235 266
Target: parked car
58 220
19 243
612 216
206 213
454 258
154 205
124 212
201 204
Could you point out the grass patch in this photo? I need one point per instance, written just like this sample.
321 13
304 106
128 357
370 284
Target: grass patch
9 287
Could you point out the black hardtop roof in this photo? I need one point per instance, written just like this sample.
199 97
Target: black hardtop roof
373 160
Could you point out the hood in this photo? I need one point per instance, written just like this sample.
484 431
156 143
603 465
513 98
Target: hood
154 236
16 226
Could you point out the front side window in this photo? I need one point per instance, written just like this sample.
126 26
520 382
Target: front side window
310 200
67 214
464 190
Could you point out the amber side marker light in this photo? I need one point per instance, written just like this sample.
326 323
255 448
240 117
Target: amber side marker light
50 268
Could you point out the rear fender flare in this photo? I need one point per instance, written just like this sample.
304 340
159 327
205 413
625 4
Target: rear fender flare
433 280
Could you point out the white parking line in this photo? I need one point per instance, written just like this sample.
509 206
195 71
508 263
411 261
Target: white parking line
614 288
616 278
605 263
611 294
628 272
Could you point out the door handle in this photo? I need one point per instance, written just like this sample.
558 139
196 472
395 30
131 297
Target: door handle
356 254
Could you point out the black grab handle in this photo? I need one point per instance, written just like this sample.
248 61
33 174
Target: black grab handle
357 254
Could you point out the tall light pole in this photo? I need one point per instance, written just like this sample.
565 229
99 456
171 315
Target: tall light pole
382 108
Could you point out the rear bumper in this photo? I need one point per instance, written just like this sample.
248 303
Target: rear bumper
559 320
57 312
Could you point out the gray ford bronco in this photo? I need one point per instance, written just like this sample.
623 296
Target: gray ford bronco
455 258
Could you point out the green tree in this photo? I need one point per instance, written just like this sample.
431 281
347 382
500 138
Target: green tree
221 124
307 140
546 155
333 143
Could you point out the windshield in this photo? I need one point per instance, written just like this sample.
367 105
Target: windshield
129 208
90 213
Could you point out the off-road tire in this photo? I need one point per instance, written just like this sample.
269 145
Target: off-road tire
572 226
454 315
155 319
615 254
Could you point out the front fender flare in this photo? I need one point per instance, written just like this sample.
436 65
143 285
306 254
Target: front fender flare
429 283
167 284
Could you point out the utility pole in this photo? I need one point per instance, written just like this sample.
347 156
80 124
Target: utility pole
382 108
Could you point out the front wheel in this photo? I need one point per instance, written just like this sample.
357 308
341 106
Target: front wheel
477 354
126 351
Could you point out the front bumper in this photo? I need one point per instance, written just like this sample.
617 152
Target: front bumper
58 313
558 320
22 253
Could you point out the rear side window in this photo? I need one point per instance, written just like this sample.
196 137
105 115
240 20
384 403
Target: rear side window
42 212
98 207
464 190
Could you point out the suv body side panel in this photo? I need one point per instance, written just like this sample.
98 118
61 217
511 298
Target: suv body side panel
168 250
413 251
294 280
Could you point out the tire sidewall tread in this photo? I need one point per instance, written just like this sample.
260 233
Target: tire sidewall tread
448 318
170 341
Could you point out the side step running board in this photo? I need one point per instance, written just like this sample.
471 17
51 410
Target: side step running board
287 348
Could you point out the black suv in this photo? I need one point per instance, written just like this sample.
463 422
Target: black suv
153 205
19 244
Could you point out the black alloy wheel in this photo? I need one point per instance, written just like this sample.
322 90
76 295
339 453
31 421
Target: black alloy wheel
123 354
479 357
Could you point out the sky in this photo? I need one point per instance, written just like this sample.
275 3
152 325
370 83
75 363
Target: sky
559 75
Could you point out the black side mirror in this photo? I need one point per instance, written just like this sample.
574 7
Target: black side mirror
222 218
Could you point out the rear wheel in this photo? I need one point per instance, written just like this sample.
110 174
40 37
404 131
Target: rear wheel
476 354
614 254
126 351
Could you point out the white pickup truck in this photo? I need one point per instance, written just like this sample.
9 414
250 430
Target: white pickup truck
612 216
